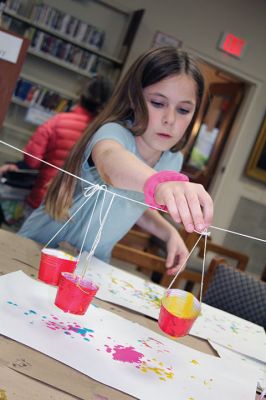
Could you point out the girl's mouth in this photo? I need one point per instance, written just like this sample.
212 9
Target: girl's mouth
164 135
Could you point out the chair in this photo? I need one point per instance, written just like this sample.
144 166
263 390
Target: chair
145 260
136 238
236 259
236 292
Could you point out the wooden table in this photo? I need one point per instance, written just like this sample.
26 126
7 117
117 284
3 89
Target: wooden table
29 371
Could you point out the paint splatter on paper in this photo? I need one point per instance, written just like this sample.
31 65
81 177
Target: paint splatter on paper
123 288
113 350
230 331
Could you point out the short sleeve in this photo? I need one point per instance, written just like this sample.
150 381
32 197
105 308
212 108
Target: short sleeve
112 131
169 160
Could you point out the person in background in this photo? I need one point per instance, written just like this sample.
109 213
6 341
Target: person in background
53 140
132 149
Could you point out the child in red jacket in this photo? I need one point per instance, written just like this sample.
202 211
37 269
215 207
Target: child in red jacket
53 140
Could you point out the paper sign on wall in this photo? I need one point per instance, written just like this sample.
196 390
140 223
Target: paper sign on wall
9 47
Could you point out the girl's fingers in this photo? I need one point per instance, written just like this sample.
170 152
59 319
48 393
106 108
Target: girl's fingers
207 207
188 203
184 212
172 208
195 210
179 266
170 259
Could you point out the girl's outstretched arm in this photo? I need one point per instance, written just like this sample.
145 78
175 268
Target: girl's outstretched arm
188 203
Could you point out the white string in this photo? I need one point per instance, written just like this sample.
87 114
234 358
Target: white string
119 195
93 190
237 233
76 176
184 263
97 238
203 267
88 226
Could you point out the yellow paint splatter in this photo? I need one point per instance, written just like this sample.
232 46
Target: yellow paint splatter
208 382
160 371
128 284
195 362
3 395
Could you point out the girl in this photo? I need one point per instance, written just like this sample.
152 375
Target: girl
141 131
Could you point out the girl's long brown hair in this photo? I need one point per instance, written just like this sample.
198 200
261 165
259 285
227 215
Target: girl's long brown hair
127 102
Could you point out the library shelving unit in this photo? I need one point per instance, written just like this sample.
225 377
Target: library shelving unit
69 43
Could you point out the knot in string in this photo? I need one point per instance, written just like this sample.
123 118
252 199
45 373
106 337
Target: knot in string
88 193
90 190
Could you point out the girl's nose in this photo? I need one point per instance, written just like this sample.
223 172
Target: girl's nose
169 117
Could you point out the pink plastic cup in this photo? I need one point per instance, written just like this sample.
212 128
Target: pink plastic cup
74 294
52 263
179 310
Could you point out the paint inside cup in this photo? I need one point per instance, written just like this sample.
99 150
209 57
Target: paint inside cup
74 294
52 263
179 310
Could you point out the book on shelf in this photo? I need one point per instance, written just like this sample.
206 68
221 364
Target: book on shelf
62 105
35 94
60 21
96 38
22 88
42 97
46 43
80 31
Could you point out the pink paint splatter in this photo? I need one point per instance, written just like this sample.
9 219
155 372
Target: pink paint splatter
125 354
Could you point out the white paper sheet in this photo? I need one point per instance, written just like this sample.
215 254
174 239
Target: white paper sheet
230 331
115 351
135 293
260 367
9 47
123 288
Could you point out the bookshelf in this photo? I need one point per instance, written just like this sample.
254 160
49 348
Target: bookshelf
70 42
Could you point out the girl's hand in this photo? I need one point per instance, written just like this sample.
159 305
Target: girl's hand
177 253
187 202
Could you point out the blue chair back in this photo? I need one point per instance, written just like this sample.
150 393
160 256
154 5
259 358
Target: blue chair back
236 292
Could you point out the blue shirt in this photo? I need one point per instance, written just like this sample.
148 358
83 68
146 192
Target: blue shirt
123 213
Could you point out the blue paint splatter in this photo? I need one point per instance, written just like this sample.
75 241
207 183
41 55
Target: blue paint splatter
11 302
81 331
30 312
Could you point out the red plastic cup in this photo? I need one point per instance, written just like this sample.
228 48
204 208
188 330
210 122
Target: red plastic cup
52 263
179 310
74 294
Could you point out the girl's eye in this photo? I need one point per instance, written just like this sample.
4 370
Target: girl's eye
157 104
183 110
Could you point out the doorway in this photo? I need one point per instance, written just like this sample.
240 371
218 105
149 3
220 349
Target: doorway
212 129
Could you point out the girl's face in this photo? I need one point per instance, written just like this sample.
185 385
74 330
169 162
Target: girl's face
171 104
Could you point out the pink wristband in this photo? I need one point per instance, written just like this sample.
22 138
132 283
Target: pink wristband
160 177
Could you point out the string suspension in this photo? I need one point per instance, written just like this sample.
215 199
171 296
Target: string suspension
118 195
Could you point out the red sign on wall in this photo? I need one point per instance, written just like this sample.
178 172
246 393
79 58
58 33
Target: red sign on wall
232 45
